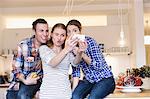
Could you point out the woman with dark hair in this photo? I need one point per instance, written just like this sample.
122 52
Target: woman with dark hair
56 57
98 81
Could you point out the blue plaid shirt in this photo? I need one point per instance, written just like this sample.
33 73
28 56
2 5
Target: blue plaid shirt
26 60
98 69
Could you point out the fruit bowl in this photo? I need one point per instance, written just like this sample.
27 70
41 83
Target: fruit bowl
130 88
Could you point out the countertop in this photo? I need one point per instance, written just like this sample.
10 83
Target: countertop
118 94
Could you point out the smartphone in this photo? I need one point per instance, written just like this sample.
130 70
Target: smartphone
80 37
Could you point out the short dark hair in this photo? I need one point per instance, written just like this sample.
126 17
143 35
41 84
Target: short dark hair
40 20
76 23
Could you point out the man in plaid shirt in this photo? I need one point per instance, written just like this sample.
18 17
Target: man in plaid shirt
27 68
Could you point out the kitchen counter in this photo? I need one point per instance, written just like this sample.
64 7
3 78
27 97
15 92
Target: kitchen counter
118 94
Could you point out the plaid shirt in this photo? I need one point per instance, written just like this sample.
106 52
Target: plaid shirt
26 60
98 69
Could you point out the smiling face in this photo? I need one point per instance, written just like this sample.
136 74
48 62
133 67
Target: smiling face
41 33
58 36
72 29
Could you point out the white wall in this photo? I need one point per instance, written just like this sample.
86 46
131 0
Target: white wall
11 37
1 29
1 36
1 65
109 35
119 63
6 64
136 25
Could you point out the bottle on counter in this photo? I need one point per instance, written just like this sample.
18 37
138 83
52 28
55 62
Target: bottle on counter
129 80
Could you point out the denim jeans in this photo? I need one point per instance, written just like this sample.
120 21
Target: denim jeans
96 90
24 92
28 91
11 94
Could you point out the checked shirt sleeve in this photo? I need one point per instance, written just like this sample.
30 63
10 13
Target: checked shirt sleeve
17 64
98 62
75 71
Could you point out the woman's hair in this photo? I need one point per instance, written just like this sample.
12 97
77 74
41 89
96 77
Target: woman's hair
58 25
76 23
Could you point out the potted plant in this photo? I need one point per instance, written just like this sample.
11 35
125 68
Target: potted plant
145 74
145 71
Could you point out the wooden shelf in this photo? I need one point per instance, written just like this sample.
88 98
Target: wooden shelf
117 53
